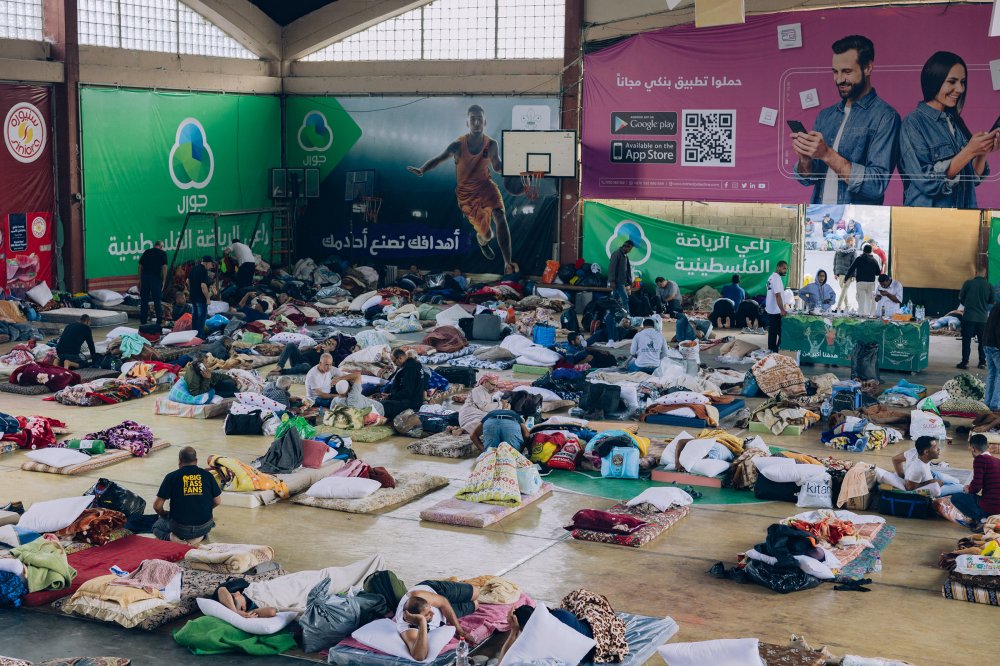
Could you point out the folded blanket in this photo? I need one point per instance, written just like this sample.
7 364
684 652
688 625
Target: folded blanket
210 635
46 565
94 526
603 521
233 558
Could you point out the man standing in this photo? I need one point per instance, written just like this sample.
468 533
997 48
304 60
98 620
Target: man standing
152 273
977 297
668 296
73 337
865 270
842 261
246 264
620 274
985 480
648 347
774 305
854 146
879 253
889 296
193 493
198 282
478 196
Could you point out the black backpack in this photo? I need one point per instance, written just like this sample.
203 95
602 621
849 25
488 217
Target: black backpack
569 321
244 424
109 495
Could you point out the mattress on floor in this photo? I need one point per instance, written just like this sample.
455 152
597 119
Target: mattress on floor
127 553
644 635
17 389
476 514
964 588
297 482
90 374
168 354
777 655
409 486
443 445
194 584
96 462
98 318
694 422
659 522
166 407
367 435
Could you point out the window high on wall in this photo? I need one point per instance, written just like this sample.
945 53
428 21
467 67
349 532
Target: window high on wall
167 26
21 19
459 30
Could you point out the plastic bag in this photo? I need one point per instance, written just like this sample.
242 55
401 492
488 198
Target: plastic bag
864 361
306 431
330 619
926 424
109 495
782 581
550 272
816 493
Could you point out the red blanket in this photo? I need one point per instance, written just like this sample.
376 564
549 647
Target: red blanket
127 553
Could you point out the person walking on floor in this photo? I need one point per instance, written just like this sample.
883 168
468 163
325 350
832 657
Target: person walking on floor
152 273
198 281
775 306
865 270
620 273
193 493
842 261
991 345
977 297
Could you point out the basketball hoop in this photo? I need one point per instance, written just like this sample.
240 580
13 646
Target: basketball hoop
371 207
531 180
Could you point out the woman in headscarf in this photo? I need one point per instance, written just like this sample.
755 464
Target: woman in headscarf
484 398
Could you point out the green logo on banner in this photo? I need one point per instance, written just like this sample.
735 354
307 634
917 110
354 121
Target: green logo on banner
633 231
191 161
319 133
315 134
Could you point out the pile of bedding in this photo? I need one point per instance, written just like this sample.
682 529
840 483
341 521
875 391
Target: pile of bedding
777 415
709 454
105 392
973 568
634 523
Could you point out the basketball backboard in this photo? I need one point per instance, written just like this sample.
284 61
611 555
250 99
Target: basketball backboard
552 152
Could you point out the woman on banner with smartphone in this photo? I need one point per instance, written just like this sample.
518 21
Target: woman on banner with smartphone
941 160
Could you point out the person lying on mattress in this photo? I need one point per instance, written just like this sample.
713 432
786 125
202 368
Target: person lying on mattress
232 595
430 605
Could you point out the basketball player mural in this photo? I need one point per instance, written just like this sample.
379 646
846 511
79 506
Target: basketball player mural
478 196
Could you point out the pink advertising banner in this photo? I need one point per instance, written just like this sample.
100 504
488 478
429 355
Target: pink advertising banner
706 114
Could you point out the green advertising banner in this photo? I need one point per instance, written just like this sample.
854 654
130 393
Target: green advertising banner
994 252
691 256
903 346
149 157
318 133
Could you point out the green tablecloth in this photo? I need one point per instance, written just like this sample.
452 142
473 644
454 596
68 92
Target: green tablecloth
902 345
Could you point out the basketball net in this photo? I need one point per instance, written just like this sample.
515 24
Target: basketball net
372 205
531 180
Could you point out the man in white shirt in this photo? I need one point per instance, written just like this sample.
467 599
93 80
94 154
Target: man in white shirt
246 264
914 467
888 296
774 305
318 381
648 347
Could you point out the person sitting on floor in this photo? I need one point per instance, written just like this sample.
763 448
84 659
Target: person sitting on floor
498 426
518 620
200 379
648 348
192 493
251 308
981 498
574 350
723 313
348 388
428 606
278 390
914 467
483 399
232 595
300 361
74 336
319 379
668 297
180 306
408 387
692 329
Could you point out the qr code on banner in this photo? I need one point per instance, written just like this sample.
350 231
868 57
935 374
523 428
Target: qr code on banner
709 138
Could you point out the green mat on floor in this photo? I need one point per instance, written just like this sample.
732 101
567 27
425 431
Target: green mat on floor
625 489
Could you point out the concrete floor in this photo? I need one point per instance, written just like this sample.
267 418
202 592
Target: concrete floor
667 577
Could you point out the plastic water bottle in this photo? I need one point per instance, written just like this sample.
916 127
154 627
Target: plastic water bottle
530 422
462 653
877 567
826 409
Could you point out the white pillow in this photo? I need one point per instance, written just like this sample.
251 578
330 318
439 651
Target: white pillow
554 294
120 331
367 355
260 401
537 390
722 652
371 302
694 451
683 398
40 293
58 457
670 453
107 297
261 626
545 637
343 487
708 467
54 515
890 478
384 637
791 473
662 497
178 337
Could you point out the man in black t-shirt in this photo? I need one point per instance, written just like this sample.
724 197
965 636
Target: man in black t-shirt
152 273
71 342
198 282
192 493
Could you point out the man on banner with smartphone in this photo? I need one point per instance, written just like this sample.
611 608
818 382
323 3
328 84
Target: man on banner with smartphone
854 146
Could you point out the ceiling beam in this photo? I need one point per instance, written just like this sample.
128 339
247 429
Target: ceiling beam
244 22
338 21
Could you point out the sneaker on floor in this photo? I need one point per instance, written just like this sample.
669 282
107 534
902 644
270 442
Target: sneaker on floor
962 366
981 366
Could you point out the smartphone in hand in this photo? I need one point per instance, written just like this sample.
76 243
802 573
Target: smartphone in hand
796 126
996 125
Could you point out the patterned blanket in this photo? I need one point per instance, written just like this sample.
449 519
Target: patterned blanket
494 478
657 521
